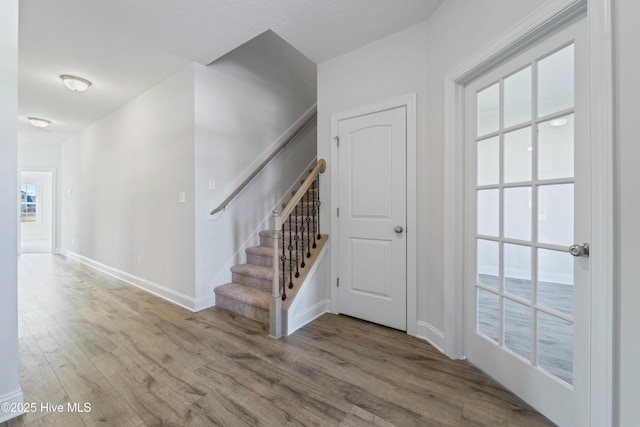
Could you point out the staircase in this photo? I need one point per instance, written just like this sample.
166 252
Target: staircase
249 293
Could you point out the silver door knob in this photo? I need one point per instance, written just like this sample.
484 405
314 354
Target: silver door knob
579 250
398 229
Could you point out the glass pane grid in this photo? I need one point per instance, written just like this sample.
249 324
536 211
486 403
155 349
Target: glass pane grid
525 318
28 202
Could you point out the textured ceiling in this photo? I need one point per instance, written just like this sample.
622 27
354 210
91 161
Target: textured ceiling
126 46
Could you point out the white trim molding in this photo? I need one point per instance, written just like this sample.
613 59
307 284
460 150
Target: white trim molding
55 230
409 102
163 292
14 402
600 18
431 334
551 16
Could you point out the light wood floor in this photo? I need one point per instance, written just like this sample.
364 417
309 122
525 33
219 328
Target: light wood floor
138 360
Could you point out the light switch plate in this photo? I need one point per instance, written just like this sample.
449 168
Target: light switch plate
182 198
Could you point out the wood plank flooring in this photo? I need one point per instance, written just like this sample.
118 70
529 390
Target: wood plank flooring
138 360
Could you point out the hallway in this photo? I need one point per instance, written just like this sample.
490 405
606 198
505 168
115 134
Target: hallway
112 354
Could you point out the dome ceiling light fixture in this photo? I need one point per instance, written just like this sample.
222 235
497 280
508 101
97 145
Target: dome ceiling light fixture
75 83
38 122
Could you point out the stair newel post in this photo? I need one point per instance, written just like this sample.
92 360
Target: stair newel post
275 312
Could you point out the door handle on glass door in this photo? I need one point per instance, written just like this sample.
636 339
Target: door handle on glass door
579 250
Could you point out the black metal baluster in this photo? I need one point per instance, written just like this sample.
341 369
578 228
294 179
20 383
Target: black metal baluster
283 258
302 229
318 204
290 256
313 211
308 219
296 238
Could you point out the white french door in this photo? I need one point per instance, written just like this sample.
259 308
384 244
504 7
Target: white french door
527 197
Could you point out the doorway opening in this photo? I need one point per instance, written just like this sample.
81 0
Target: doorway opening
36 212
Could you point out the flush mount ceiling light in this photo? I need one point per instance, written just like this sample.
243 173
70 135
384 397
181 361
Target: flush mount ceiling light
75 83
556 123
39 123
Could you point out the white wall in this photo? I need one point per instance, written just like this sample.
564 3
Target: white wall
45 157
9 386
416 60
627 128
120 183
245 101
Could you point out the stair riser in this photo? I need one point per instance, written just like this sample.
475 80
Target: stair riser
264 261
243 309
254 282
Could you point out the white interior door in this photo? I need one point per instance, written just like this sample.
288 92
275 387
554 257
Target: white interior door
372 217
527 197
36 211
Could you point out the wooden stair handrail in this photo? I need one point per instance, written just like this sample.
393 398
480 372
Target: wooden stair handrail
282 146
321 166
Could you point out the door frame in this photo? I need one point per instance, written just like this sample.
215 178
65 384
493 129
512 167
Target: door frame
551 16
409 103
54 186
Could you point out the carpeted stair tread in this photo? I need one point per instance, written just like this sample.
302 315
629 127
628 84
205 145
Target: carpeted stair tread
265 251
245 294
265 233
259 250
263 255
245 301
257 271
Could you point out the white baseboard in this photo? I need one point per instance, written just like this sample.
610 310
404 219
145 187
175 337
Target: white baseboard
432 335
163 292
14 401
205 302
307 316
